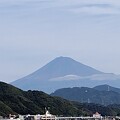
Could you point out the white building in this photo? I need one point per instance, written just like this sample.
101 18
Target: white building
97 115
48 116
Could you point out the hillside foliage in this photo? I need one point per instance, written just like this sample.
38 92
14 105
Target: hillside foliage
16 101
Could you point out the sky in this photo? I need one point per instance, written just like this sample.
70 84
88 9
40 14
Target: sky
34 32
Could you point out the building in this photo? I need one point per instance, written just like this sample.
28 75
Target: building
97 115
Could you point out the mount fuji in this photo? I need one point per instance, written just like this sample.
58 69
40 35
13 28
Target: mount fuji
65 72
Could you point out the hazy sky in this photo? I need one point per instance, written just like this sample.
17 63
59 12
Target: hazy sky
33 32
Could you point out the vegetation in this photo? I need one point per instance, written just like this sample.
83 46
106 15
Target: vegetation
16 101
89 95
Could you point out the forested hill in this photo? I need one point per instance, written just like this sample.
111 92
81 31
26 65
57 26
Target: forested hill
89 95
16 101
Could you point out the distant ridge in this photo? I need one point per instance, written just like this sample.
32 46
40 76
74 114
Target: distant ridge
90 95
107 88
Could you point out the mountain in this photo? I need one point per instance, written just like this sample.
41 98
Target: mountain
107 88
88 95
65 72
17 101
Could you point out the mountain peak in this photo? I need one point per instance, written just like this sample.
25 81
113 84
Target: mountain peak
62 58
67 66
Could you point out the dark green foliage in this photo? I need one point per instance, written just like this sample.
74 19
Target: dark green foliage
4 109
9 89
88 95
16 101
101 109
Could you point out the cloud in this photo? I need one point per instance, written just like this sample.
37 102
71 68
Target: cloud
85 7
95 9
98 77
30 29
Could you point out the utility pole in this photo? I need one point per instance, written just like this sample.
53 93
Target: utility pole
108 88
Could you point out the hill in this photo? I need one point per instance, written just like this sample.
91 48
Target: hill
88 95
16 101
107 88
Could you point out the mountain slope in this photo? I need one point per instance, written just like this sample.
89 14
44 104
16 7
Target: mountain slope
59 67
62 66
88 95
16 101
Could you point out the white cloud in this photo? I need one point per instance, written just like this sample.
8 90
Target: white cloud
98 77
95 10
95 7
67 77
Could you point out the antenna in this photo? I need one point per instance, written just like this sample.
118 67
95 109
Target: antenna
45 109
108 88
88 100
